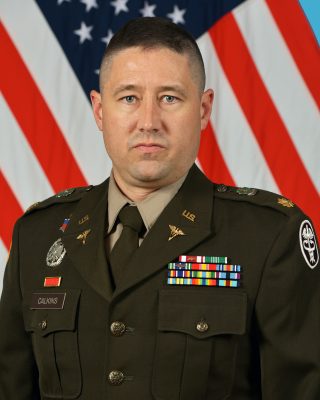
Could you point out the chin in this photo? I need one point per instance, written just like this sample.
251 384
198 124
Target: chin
150 173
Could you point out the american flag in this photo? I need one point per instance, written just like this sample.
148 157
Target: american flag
261 57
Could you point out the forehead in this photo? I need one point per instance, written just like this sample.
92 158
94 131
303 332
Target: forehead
149 65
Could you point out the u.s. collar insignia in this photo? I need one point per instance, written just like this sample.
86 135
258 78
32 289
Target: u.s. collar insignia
308 244
285 202
83 236
55 254
175 231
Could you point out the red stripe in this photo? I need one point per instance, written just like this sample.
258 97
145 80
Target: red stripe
36 120
300 40
264 119
211 158
10 211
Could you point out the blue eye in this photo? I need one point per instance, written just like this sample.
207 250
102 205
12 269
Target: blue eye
129 99
169 99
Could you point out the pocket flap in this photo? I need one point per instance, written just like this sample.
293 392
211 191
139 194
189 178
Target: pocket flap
202 313
47 320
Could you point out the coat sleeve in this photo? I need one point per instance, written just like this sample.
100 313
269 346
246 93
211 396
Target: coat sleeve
18 371
288 318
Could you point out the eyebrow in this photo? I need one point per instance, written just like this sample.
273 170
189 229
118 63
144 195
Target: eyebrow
165 88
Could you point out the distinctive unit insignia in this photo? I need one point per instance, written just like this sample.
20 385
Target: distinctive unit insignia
65 224
246 191
56 253
65 193
308 244
174 231
83 236
285 202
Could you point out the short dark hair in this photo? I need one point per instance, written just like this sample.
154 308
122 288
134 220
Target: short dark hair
152 33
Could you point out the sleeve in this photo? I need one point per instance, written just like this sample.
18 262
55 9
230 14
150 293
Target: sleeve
288 315
18 371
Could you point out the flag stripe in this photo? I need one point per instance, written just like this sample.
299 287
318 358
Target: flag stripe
288 170
235 139
10 210
18 173
53 153
211 160
283 81
300 39
3 259
58 85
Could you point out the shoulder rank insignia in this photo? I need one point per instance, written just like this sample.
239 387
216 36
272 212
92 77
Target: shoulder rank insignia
308 244
285 202
174 231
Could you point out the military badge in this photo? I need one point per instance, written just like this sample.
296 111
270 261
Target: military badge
174 231
83 236
55 254
308 244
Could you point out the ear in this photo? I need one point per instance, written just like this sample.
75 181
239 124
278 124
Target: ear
96 107
206 107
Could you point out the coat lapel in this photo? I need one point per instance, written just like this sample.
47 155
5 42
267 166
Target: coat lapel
84 240
195 198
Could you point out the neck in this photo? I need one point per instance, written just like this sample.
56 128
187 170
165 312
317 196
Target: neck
134 193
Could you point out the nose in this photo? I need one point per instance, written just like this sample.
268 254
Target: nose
149 119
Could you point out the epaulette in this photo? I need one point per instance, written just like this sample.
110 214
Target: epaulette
259 197
66 196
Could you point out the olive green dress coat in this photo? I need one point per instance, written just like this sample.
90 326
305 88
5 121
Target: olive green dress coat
148 339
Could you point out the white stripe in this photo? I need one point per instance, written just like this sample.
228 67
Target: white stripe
283 80
18 163
54 76
236 140
3 260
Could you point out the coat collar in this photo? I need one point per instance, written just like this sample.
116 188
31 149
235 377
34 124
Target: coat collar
195 198
190 211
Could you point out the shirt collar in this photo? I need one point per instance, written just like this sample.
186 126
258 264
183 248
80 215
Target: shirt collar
150 208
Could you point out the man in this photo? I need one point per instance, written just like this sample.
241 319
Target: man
97 305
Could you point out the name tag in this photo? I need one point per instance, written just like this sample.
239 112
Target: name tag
47 301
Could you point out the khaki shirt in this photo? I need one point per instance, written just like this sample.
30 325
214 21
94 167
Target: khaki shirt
150 208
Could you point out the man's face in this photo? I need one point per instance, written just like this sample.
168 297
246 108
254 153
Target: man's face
151 113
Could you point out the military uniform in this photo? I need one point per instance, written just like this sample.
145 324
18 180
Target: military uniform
148 339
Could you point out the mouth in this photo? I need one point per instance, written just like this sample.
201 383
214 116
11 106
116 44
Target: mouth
149 147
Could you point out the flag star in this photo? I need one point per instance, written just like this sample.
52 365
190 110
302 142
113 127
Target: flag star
61 1
120 5
107 39
97 71
89 4
84 32
177 15
148 10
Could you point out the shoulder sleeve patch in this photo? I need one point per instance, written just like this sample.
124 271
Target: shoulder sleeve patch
308 244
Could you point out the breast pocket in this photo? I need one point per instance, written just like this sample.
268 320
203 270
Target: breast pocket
55 344
198 332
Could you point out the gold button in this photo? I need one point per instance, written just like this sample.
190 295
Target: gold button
117 328
116 377
202 326
43 324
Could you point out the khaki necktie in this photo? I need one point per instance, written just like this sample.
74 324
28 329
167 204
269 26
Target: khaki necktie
128 242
